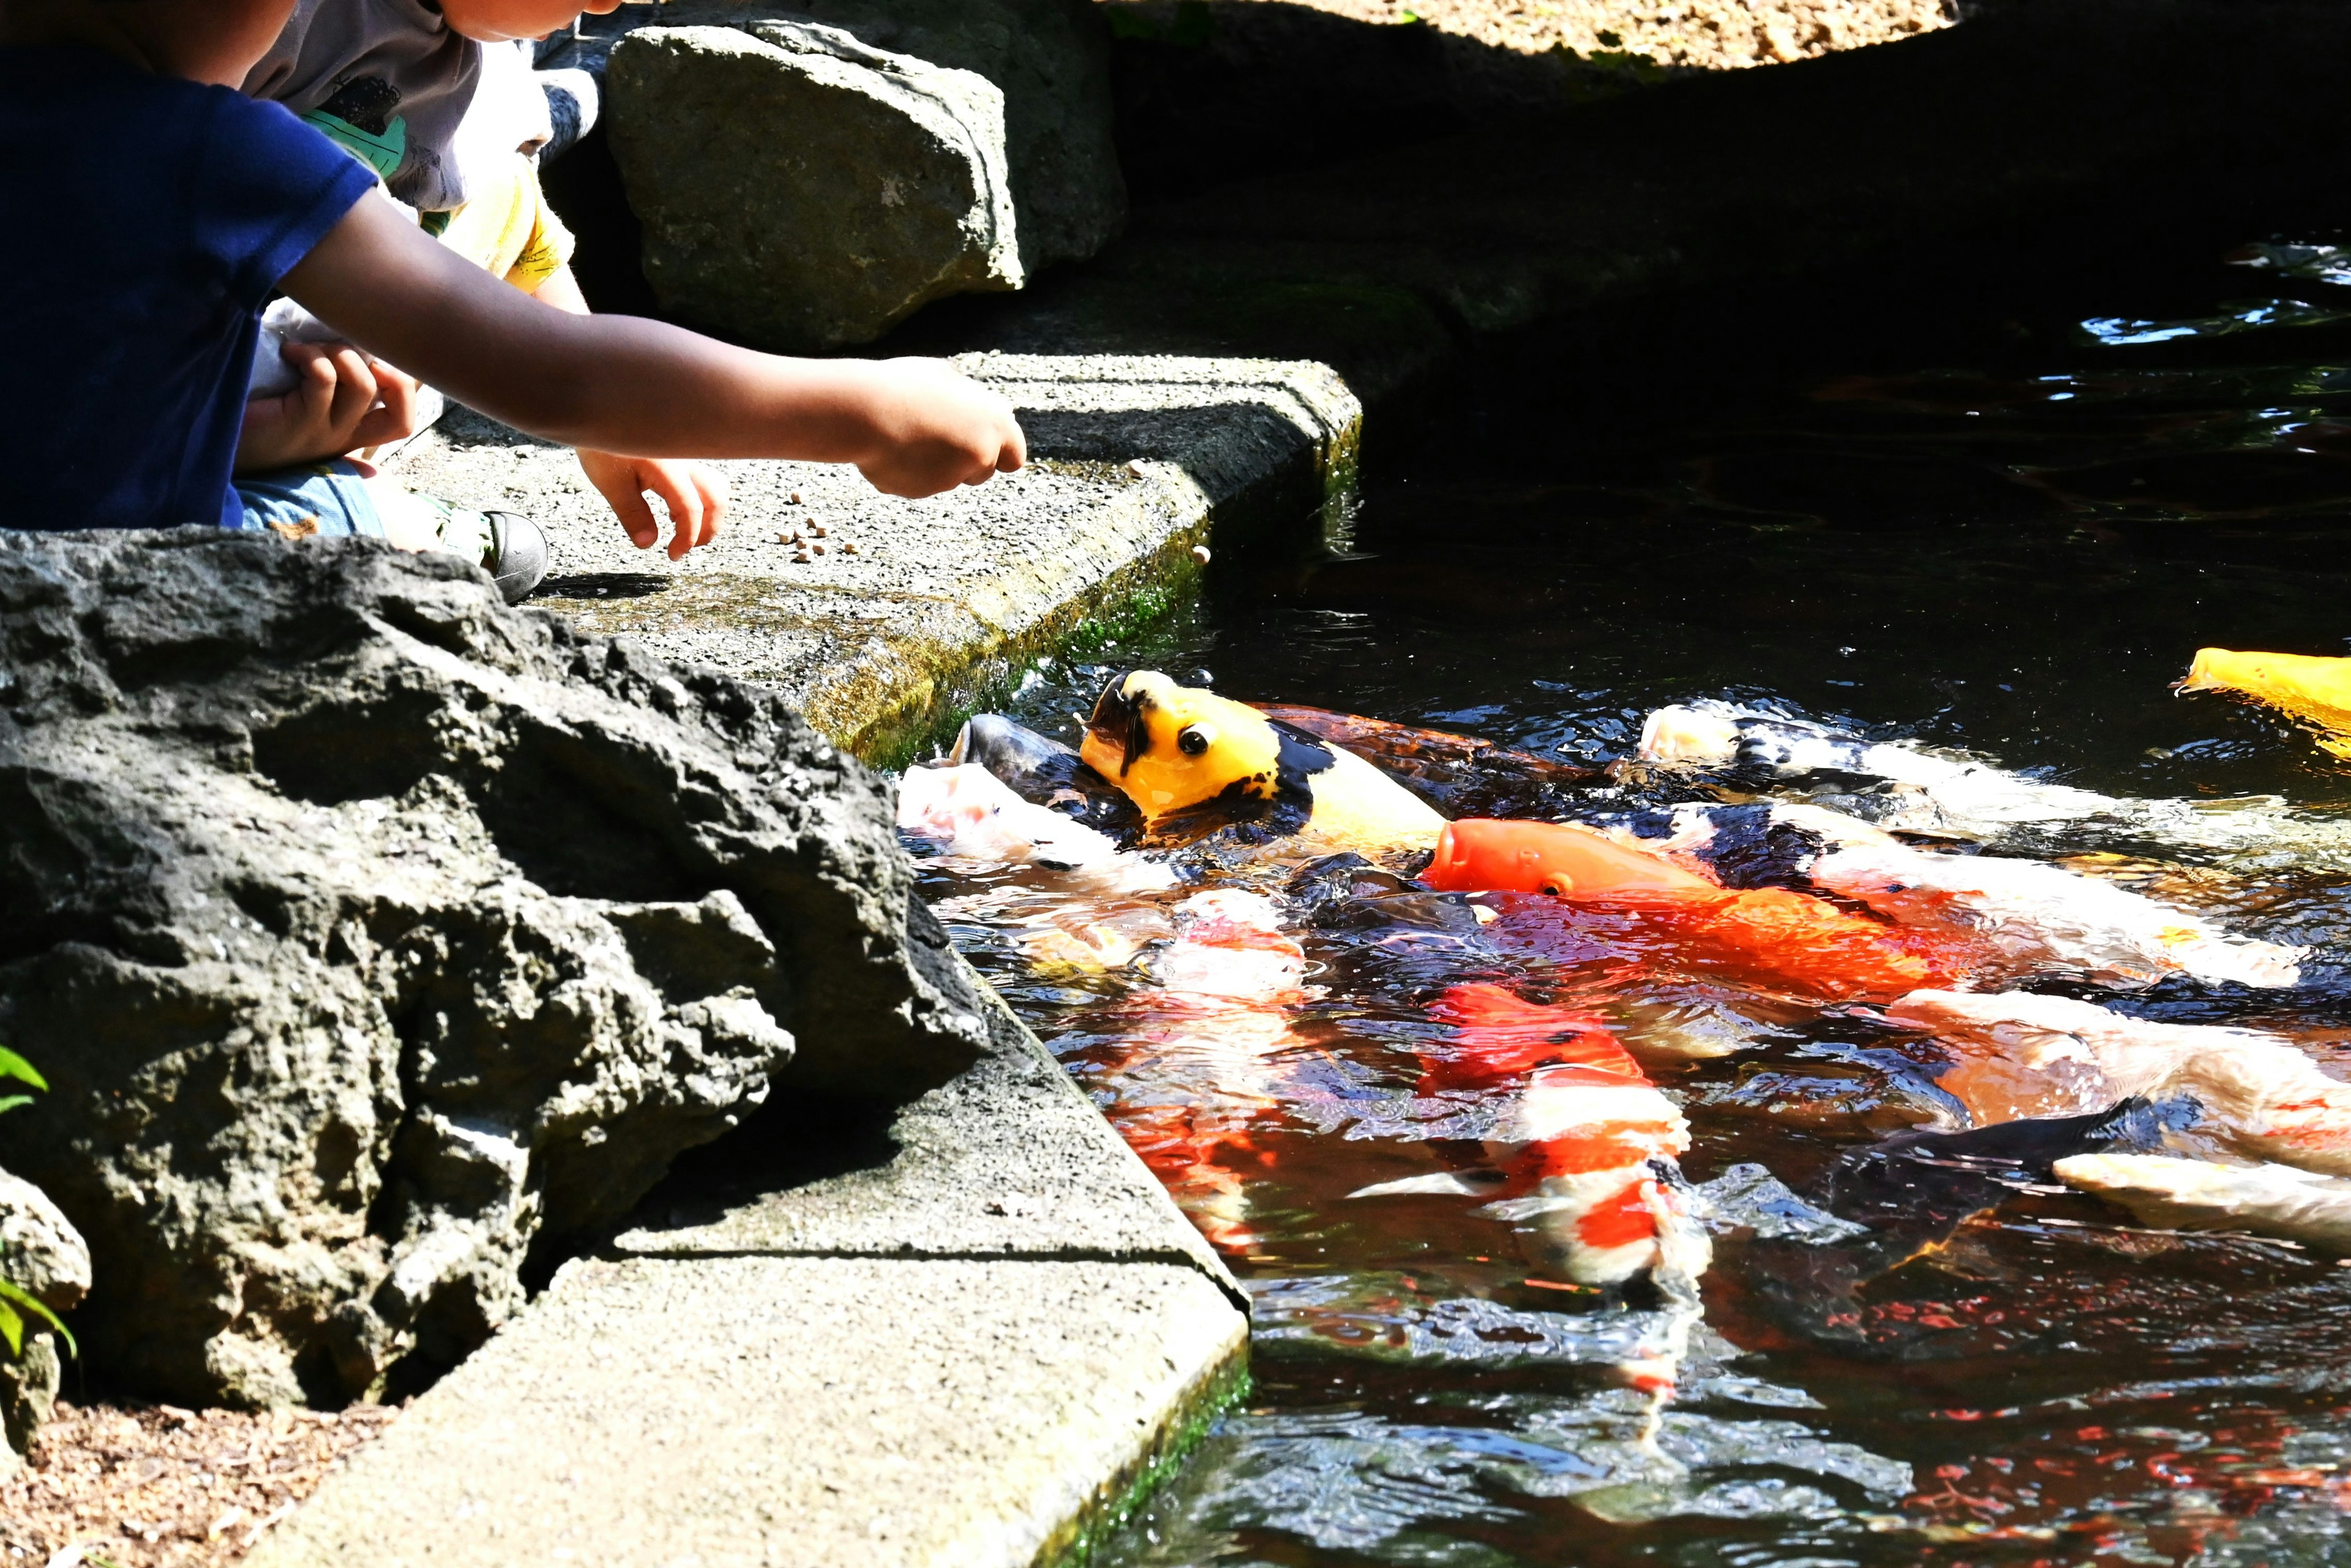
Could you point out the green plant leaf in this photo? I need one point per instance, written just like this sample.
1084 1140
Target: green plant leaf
14 1066
12 1326
11 1102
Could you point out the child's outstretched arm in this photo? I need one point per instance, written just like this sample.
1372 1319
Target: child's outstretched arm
621 384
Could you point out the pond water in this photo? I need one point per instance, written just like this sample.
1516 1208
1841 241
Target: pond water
2014 556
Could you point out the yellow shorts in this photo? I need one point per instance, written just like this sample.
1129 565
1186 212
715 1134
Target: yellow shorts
509 230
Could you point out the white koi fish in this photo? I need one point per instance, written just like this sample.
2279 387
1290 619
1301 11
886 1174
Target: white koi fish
2023 1055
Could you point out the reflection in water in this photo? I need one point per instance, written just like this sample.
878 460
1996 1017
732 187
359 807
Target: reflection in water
1919 1343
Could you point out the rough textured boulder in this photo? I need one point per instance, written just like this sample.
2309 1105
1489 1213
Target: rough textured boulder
43 1255
368 931
1051 61
798 190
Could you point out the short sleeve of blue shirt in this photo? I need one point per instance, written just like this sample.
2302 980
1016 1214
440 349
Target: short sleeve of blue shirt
144 222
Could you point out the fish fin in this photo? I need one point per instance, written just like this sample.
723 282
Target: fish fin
1446 1184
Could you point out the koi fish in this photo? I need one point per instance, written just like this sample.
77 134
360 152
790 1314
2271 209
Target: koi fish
1772 938
2034 915
1194 763
2169 1193
1460 775
971 814
1589 1154
1903 788
1044 772
1963 789
2316 691
1200 1071
2021 1055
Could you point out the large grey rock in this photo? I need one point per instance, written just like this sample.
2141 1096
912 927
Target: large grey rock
43 1255
1051 61
800 190
368 931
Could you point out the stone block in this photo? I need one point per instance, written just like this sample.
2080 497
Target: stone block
800 190
794 1412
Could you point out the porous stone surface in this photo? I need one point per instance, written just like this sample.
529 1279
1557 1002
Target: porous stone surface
368 931
798 190
1009 1160
43 1255
791 1412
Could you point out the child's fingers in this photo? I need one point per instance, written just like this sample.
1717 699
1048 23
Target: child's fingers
354 395
686 509
713 486
394 417
637 520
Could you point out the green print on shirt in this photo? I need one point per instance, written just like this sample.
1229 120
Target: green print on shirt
379 150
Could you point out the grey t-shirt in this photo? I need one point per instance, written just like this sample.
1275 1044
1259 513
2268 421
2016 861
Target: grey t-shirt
389 80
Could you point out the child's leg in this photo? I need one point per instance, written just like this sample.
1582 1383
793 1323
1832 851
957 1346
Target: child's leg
324 500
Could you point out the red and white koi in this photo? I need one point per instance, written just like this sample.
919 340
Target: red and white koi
1589 1151
1201 1067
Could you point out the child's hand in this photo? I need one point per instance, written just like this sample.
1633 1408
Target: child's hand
938 430
344 401
696 497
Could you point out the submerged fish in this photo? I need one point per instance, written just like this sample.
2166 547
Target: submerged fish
1768 937
1589 1154
1196 763
2020 1055
2315 690
1200 1045
2033 915
1460 775
1902 788
970 814
1044 772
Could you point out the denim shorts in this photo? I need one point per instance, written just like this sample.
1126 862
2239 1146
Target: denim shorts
323 499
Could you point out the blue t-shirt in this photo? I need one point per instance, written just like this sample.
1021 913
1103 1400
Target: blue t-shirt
144 222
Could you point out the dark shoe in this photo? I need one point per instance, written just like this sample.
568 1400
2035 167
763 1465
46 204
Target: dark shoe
517 555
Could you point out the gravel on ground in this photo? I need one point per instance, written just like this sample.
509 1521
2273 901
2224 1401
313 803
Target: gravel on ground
148 1486
1704 35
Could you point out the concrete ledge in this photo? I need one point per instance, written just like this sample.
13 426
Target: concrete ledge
1010 1160
792 1412
1138 458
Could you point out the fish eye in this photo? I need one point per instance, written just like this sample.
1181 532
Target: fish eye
1194 740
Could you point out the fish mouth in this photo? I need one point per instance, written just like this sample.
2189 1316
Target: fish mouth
1121 719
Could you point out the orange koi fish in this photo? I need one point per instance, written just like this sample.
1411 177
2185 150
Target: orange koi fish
1772 938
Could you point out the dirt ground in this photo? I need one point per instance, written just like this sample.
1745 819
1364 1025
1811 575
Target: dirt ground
1706 35
120 1487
